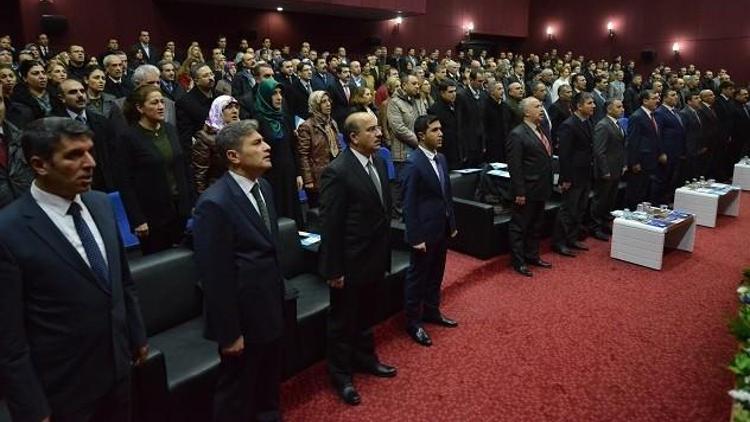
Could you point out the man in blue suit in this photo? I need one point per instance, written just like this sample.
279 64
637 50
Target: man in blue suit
69 316
672 133
645 153
235 250
429 218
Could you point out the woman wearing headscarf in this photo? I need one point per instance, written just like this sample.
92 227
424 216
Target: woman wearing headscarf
276 128
317 144
208 164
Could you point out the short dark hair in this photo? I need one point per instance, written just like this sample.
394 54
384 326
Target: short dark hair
581 98
91 69
423 122
42 135
26 66
646 94
340 68
445 84
230 135
302 65
137 97
726 84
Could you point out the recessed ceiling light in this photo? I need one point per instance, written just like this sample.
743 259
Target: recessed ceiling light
279 9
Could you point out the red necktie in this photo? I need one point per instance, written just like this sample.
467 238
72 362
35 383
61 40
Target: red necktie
653 122
544 140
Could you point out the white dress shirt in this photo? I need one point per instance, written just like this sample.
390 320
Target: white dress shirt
431 156
247 186
56 208
364 161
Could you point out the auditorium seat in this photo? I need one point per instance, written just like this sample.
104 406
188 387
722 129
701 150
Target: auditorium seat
4 414
171 304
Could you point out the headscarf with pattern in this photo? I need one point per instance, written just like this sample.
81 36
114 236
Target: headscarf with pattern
215 119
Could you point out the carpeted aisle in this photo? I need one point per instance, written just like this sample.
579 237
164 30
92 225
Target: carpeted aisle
592 339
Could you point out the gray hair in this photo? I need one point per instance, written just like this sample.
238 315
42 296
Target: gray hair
140 73
230 136
108 59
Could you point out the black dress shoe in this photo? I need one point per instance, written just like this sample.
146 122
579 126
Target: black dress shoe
419 335
349 394
564 251
523 270
600 235
382 370
579 245
442 321
540 263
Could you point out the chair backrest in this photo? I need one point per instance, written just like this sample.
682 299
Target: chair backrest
463 186
128 238
291 254
168 290
385 154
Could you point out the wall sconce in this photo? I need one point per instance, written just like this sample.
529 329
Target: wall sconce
611 29
550 33
676 49
398 20
468 28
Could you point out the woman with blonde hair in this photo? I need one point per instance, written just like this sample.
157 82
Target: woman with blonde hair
317 144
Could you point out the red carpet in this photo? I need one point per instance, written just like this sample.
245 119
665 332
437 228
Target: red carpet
592 339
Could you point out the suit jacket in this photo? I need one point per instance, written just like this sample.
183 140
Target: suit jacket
694 133
175 93
497 119
339 102
143 182
152 57
672 132
109 108
192 110
741 126
644 146
470 120
725 112
576 150
609 149
355 225
237 260
299 97
452 148
529 165
104 150
630 101
428 201
320 82
118 89
599 100
711 126
15 179
66 339
558 112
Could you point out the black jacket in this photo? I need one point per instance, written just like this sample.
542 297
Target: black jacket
192 110
16 178
497 119
452 149
576 138
529 165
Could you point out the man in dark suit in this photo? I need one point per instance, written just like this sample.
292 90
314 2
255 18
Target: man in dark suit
530 168
672 134
321 78
301 90
340 90
193 107
116 83
576 136
429 219
560 110
631 100
73 97
235 250
150 55
609 159
168 81
45 52
695 142
497 117
600 92
469 102
741 127
69 313
723 163
355 207
645 153
445 110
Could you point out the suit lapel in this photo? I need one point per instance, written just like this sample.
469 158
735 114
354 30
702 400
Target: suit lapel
534 139
615 129
365 180
108 232
43 227
246 207
426 166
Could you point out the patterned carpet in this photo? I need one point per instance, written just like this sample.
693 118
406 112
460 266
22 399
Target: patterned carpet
592 339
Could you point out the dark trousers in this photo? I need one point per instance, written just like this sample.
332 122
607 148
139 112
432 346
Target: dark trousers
397 189
423 280
113 407
605 196
570 214
666 180
163 237
247 388
641 188
523 231
351 344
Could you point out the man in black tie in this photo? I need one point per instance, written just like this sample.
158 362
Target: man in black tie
429 219
69 313
672 136
576 136
609 159
355 208
236 235
302 88
73 97
695 144
530 168
116 84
